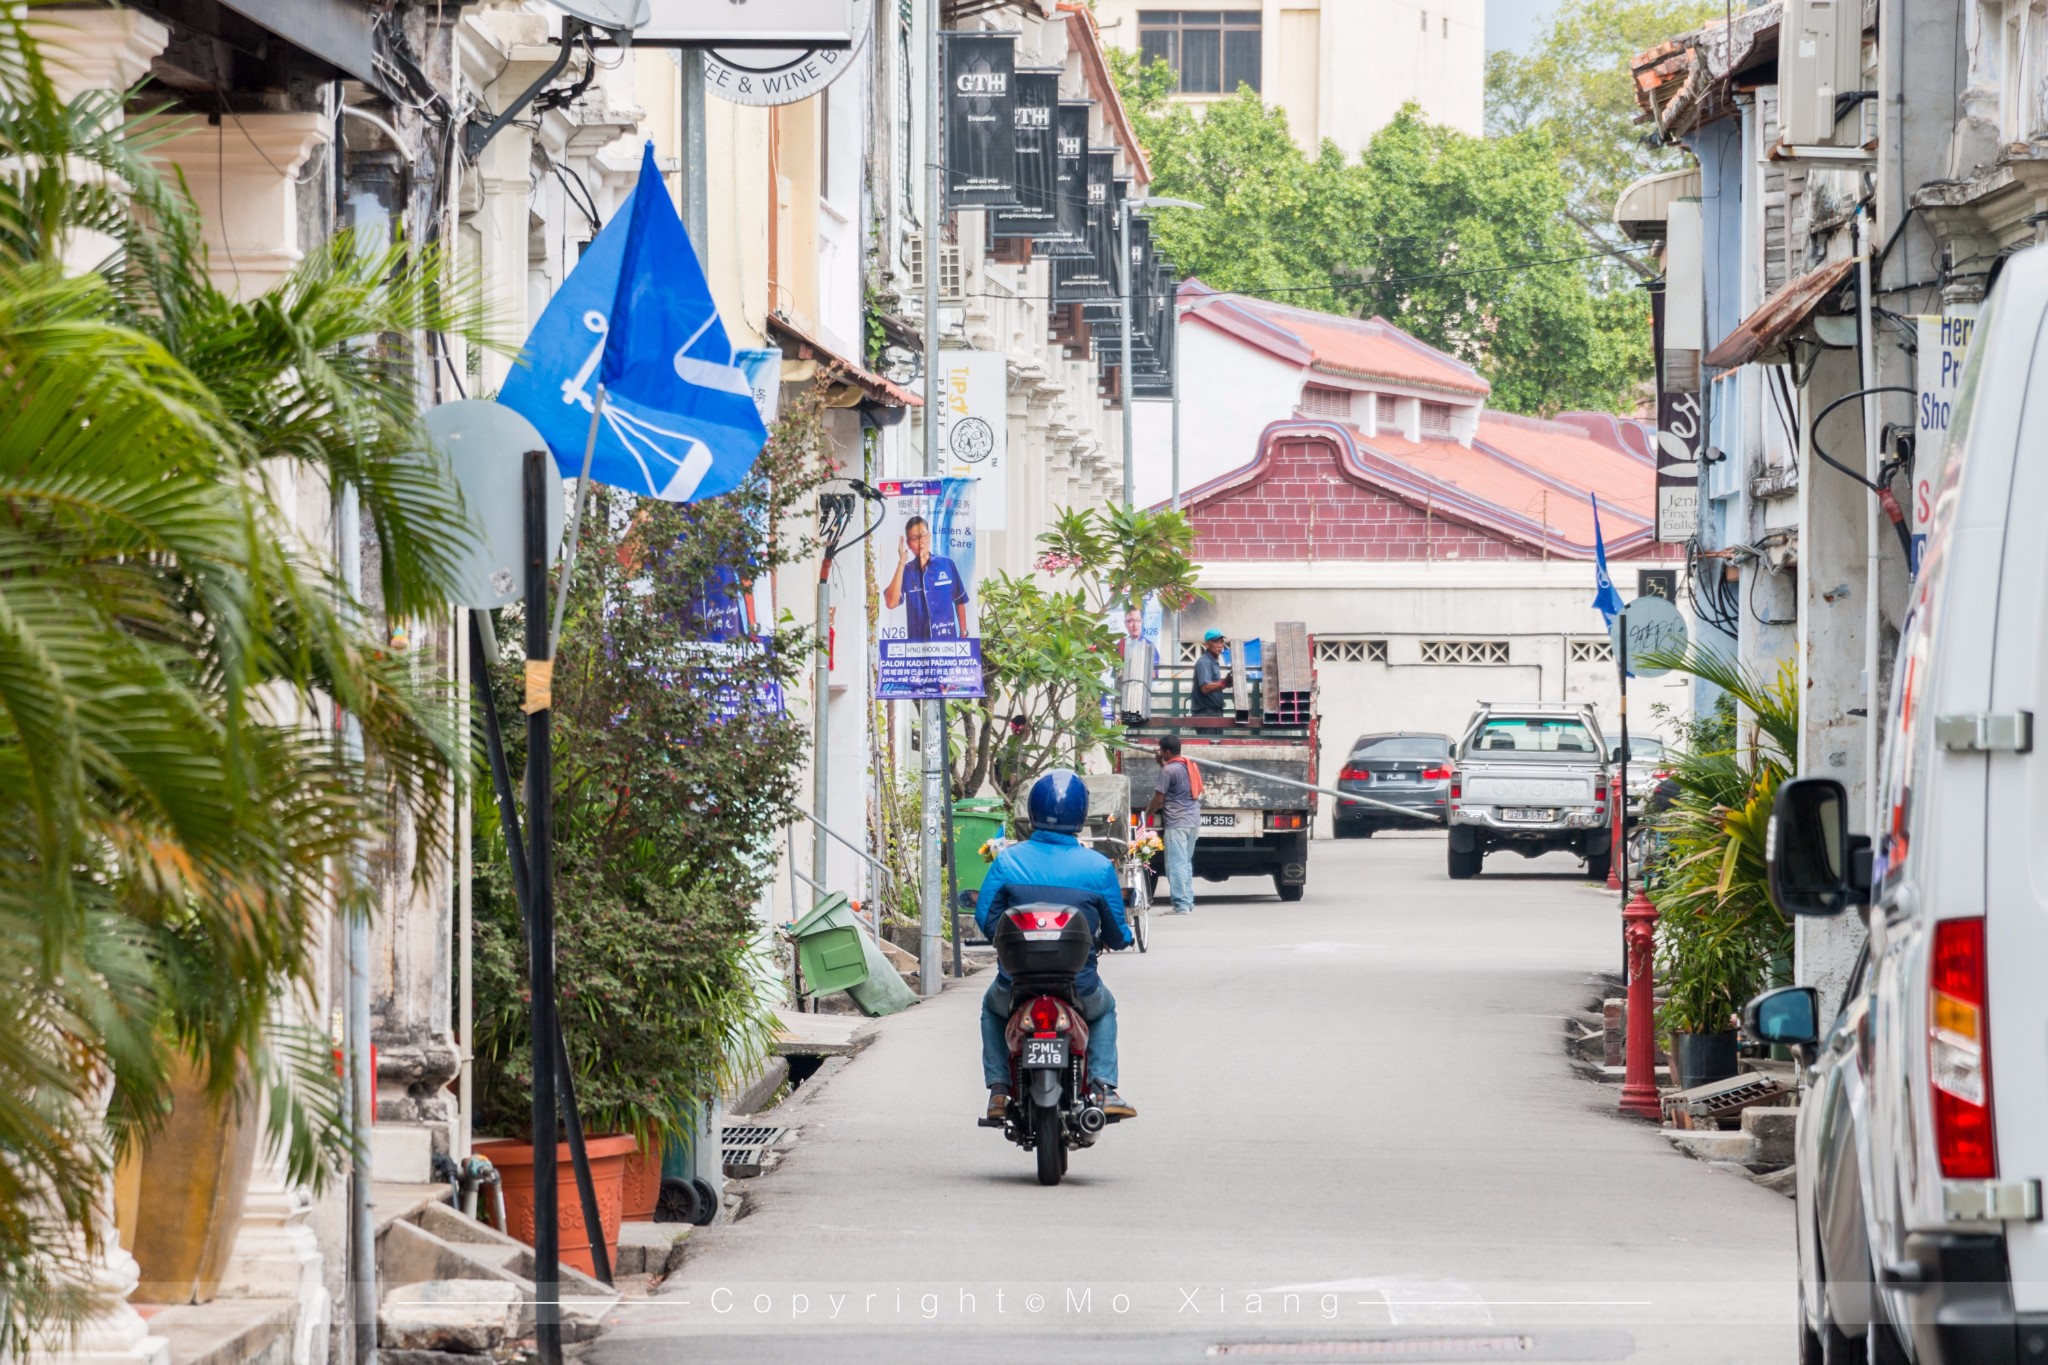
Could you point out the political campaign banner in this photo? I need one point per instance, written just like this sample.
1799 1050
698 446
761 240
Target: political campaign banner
928 645
1036 142
981 139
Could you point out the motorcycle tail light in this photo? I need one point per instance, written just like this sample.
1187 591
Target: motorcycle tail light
1435 774
1958 1056
1045 1016
1041 919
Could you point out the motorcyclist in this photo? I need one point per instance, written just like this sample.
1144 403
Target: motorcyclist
1051 867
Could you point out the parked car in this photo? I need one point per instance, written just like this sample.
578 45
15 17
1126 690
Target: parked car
1408 770
1923 1134
1531 777
1649 763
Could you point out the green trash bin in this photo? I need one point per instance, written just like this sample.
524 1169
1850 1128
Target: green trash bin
976 820
828 947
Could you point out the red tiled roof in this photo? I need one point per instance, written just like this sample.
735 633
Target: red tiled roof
1370 348
1523 479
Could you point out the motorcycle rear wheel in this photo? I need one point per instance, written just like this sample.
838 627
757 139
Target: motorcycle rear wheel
1052 1153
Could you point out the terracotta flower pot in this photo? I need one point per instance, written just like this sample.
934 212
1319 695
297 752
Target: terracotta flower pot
514 1160
178 1198
643 1180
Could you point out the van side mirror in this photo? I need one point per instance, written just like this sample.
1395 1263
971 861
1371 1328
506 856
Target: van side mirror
1815 866
1790 1015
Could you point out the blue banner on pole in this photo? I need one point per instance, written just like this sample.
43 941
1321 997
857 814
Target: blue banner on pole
1606 600
636 318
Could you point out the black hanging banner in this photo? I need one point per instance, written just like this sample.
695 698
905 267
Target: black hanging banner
1091 274
1069 235
981 140
1037 140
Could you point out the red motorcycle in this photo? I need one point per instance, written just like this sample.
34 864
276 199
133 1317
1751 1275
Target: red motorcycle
1042 949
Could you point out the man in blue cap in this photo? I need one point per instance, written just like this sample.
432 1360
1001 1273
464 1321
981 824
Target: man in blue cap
1210 680
1052 868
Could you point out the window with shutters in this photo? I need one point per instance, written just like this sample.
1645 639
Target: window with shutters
1351 651
1383 410
1319 401
1484 652
1213 52
1436 419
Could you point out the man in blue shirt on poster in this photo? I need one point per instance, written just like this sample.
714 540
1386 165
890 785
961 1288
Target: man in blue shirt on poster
928 587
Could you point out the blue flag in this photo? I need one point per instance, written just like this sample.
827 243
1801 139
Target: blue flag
1606 600
636 316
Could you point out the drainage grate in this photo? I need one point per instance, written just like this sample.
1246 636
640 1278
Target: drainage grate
741 1147
1383 1348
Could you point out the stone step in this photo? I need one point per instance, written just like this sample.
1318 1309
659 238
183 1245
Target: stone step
1709 1144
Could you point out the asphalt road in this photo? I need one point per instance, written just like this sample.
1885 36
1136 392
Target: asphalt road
1357 1127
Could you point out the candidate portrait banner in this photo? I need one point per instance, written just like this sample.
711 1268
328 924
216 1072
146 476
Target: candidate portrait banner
1036 143
928 644
981 138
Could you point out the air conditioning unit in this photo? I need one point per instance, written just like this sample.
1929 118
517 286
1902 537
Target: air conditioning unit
952 287
1820 58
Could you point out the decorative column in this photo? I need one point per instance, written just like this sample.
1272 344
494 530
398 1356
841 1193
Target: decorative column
242 173
94 49
277 1256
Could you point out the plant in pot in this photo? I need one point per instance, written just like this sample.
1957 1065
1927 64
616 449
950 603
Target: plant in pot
1720 939
675 768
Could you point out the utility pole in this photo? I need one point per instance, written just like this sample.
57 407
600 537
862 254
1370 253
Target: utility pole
932 727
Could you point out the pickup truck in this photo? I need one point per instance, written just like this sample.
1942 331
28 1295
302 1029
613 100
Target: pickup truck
1531 777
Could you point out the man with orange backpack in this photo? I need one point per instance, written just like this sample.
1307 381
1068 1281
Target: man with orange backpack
1177 803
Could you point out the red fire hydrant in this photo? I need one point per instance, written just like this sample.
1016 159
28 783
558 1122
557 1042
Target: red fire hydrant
1639 944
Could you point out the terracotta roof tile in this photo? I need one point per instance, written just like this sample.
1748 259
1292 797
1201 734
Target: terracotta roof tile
1370 348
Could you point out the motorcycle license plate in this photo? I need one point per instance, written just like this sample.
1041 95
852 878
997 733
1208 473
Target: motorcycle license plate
1045 1052
1533 814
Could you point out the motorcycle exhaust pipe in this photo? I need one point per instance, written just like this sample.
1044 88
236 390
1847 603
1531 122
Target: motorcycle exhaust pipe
1092 1119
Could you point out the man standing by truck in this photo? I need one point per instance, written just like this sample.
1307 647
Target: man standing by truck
1210 679
1177 804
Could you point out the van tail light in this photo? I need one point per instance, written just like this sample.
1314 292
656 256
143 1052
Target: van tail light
1435 774
1959 1060
1355 775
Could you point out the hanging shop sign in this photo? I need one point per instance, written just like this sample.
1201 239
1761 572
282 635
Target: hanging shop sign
981 138
761 75
928 644
803 24
974 425
1033 114
1680 434
1944 343
1069 235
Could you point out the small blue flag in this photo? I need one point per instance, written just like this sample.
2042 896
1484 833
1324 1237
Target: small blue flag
636 316
1606 600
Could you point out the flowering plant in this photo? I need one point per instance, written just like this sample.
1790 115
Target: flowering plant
1144 847
991 847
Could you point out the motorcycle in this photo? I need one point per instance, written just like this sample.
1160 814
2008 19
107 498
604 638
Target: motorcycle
1042 948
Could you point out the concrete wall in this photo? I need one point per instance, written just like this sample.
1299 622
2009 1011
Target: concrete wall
1230 392
1541 610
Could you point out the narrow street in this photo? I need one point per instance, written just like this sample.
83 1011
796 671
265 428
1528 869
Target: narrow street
1357 1122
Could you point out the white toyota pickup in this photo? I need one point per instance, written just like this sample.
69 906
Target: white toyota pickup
1531 777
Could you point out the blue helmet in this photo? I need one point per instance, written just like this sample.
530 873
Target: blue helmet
1059 802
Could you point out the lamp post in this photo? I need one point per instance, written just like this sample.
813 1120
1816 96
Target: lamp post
1123 227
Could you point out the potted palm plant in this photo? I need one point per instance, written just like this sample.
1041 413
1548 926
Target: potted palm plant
1719 938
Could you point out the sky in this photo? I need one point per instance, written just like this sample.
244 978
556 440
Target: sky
1515 24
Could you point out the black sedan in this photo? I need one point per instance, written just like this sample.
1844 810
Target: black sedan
1408 770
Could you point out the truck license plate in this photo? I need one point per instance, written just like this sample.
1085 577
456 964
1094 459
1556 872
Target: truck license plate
1040 1053
1224 821
1532 814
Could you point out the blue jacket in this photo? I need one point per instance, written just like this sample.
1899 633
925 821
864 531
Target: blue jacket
1053 869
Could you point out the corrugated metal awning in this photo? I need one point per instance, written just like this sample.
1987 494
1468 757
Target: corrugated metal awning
1782 313
1645 205
801 345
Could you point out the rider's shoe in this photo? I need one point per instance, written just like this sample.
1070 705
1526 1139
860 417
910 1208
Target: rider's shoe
1113 1104
998 1102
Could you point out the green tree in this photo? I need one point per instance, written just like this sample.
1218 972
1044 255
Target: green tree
172 834
1467 243
1577 88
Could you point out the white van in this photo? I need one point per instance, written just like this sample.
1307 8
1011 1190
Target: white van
1924 1130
